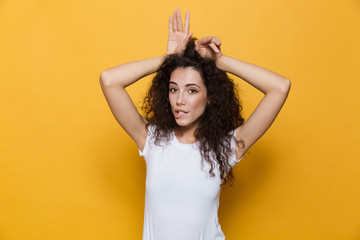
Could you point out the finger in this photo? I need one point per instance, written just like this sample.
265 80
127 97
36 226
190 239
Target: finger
205 40
188 37
187 22
216 44
216 41
213 47
170 25
197 47
185 41
179 21
174 23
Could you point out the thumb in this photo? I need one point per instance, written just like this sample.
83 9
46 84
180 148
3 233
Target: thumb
183 44
197 47
186 39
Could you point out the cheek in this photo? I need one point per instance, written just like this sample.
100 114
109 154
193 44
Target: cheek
172 100
199 102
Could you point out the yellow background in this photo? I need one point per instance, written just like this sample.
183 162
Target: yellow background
69 171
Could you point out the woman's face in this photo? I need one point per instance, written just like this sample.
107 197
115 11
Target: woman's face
187 96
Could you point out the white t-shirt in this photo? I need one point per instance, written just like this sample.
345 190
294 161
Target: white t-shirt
181 200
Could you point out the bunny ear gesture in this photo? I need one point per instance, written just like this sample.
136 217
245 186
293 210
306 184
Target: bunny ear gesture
209 47
175 23
178 35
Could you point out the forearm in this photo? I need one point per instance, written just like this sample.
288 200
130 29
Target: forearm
259 77
128 73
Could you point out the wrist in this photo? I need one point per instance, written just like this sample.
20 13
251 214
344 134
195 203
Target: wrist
168 52
220 62
160 61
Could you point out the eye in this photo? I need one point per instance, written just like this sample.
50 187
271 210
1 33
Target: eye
193 91
172 90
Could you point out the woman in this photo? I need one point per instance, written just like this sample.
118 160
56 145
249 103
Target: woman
192 133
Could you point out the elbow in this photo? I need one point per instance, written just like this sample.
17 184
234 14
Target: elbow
103 80
102 76
285 86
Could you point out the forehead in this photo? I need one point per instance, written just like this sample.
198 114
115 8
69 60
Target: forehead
183 76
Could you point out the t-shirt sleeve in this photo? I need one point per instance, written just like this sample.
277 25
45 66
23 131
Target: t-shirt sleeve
147 141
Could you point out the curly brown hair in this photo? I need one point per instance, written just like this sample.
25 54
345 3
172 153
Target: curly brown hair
222 114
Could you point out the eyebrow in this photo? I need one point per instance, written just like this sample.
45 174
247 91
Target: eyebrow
189 84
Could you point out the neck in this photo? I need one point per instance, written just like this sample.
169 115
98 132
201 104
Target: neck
186 133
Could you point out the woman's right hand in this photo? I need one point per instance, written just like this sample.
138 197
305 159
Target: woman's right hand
178 36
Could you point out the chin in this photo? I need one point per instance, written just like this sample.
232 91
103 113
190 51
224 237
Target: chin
182 124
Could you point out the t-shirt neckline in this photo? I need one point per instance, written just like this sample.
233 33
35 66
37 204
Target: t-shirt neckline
183 145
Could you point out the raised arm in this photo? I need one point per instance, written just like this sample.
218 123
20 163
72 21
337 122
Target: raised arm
113 81
274 86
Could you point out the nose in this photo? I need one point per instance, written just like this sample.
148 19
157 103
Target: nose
180 99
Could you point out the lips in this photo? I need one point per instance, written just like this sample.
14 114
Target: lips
180 110
179 113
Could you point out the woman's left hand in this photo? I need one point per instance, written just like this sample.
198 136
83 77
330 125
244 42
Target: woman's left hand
209 47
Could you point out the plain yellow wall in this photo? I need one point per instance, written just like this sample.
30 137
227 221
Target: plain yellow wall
69 171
